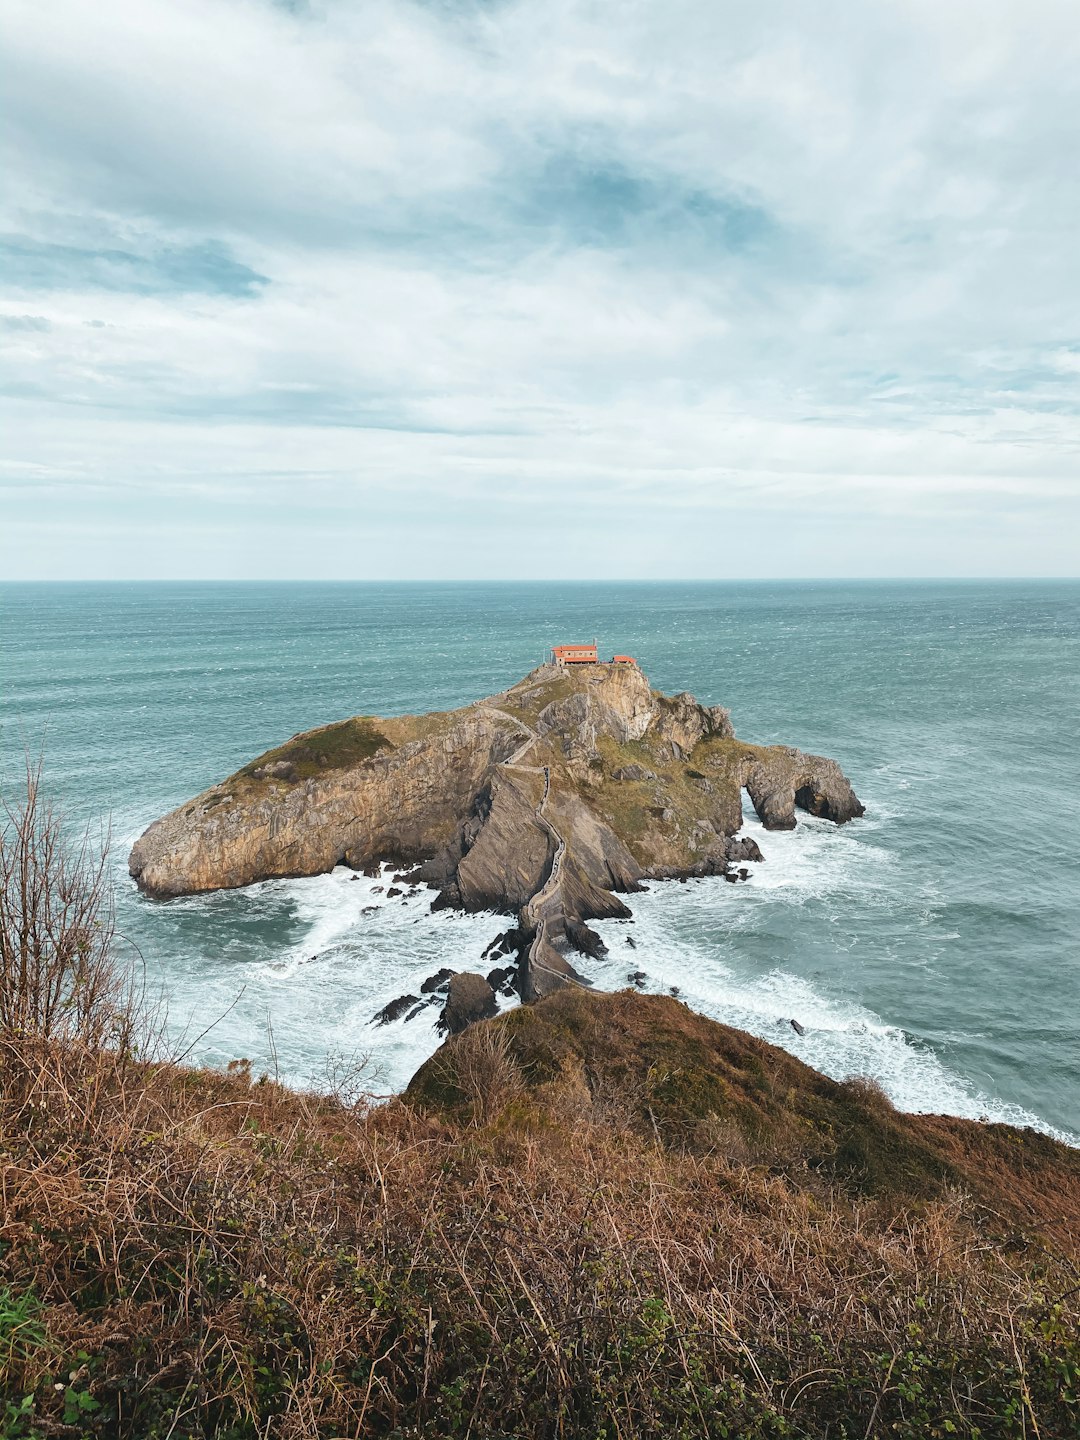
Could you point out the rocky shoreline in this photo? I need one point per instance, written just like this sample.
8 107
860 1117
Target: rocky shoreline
548 802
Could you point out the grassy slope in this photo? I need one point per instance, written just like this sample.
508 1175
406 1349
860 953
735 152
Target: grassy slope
635 808
602 1216
331 747
324 750
702 1086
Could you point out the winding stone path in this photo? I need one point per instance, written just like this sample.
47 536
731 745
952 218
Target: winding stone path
534 910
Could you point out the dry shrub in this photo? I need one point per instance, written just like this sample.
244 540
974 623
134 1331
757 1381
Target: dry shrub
870 1091
60 975
723 1135
480 1068
353 1079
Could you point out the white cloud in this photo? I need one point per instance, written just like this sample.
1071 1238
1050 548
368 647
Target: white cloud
663 264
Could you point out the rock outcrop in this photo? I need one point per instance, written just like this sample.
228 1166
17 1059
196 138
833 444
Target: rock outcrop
399 803
470 998
546 802
790 779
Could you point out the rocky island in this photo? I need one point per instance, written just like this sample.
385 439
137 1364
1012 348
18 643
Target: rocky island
547 802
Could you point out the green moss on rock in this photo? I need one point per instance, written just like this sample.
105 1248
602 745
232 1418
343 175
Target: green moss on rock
315 752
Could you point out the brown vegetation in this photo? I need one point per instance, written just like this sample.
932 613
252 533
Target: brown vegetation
599 1217
60 978
700 1086
214 1256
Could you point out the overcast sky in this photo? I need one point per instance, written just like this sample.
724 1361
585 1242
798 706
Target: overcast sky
540 288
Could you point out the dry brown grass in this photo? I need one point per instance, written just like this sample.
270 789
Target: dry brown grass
216 1257
598 1217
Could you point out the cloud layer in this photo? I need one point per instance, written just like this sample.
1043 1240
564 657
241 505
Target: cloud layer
367 288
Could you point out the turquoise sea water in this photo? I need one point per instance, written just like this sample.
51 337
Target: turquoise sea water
933 944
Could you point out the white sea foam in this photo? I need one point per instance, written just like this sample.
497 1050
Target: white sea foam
351 950
841 1040
682 937
292 971
817 857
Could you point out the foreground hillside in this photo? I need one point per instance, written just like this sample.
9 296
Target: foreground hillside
596 1216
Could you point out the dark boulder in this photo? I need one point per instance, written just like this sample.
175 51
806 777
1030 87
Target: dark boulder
505 944
395 1010
447 899
585 939
470 998
439 981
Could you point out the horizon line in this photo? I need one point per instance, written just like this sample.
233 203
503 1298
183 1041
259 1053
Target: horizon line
551 580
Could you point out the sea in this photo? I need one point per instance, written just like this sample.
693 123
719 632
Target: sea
933 945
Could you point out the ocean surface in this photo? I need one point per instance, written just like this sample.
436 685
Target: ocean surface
932 945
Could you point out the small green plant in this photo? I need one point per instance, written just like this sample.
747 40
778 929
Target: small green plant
22 1342
78 1405
15 1418
22 1335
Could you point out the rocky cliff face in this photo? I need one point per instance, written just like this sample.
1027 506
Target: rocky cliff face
546 801
276 818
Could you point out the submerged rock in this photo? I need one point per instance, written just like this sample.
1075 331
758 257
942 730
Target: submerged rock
439 981
395 1010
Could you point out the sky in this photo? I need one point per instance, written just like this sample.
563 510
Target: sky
372 289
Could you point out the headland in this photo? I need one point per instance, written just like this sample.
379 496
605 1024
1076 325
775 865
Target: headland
549 801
